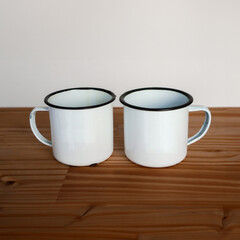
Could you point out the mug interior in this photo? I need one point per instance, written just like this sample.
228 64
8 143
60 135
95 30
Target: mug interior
79 98
156 99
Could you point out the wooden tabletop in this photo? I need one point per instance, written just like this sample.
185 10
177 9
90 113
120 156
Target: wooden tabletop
41 198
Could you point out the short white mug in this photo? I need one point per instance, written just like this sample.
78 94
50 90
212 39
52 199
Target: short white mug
156 125
81 121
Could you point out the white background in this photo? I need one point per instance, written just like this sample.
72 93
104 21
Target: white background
47 45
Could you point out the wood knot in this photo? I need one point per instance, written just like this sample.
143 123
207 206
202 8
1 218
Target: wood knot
9 181
226 219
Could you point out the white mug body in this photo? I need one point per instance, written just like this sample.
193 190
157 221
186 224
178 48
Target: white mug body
82 137
156 125
81 121
155 139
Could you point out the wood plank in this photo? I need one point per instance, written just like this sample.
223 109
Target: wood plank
41 198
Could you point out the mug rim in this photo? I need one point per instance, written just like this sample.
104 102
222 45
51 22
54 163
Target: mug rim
113 97
122 97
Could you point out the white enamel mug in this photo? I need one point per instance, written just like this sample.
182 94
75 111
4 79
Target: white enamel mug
81 121
156 125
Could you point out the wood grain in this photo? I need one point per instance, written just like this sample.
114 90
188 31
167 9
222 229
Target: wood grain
41 198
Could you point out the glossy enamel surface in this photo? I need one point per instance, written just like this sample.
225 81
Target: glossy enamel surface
155 139
82 137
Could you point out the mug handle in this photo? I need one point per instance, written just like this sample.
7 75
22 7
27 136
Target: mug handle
205 125
37 134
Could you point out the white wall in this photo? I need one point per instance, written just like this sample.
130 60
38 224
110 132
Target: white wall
46 45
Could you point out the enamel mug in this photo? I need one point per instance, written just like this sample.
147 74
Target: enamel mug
81 121
156 125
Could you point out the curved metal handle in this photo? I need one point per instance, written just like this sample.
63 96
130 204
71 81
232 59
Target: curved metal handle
205 125
33 125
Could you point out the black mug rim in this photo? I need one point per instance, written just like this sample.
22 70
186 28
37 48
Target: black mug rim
122 99
113 97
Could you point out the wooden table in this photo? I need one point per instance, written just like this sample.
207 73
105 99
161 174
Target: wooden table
41 198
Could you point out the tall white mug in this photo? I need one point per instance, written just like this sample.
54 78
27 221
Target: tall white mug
156 125
81 121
